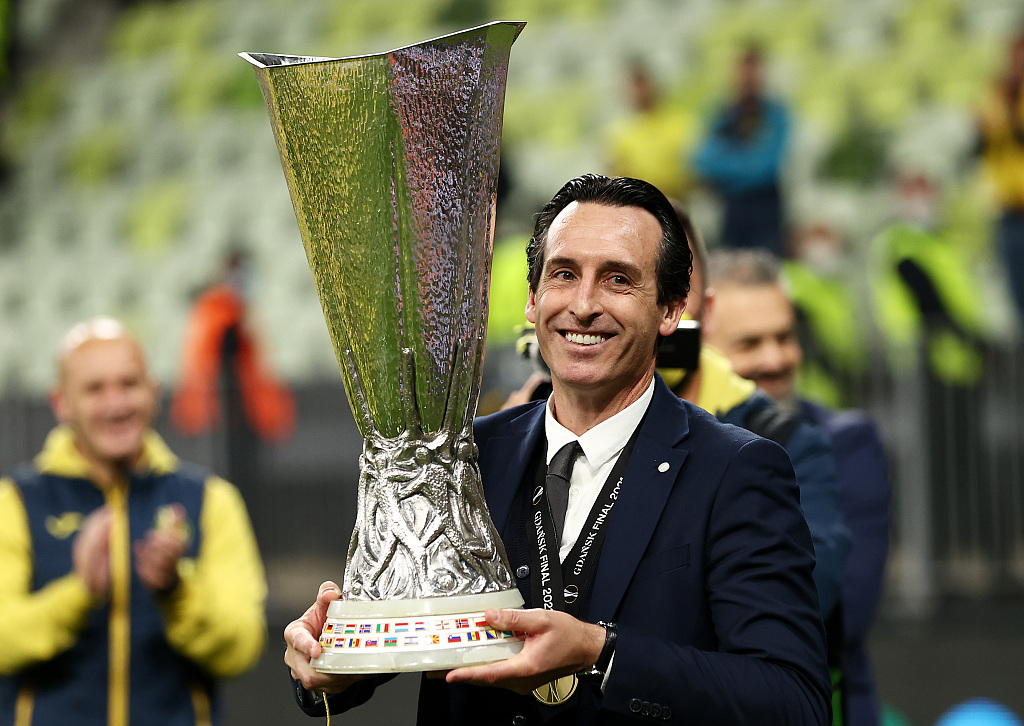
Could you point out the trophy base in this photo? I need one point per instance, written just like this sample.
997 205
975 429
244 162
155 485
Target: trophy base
393 636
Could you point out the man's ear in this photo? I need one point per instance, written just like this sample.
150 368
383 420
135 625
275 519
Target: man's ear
670 318
58 405
155 392
531 307
707 323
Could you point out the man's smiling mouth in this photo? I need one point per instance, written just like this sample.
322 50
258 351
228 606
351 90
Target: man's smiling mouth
585 338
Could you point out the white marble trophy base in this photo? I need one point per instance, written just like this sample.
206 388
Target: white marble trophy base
391 636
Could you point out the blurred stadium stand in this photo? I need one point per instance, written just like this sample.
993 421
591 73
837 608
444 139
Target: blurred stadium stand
135 150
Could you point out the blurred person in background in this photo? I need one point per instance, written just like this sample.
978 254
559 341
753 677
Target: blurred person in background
832 331
649 142
1000 124
754 325
926 297
223 366
702 375
741 158
930 306
130 582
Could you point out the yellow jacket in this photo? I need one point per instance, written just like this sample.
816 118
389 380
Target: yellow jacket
1003 153
214 618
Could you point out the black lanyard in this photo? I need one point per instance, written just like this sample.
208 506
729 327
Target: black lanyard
559 586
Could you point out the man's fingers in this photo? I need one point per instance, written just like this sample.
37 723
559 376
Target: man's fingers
302 637
301 670
178 514
156 558
90 551
486 674
518 674
328 592
298 637
523 621
98 519
313 680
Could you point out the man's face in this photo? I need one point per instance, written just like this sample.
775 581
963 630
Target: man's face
748 76
755 328
107 399
596 305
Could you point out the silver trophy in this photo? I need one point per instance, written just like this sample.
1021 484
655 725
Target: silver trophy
391 161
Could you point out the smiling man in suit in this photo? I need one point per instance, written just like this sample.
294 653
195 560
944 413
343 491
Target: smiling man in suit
683 537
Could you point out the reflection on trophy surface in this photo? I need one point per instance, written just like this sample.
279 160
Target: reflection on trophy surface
391 161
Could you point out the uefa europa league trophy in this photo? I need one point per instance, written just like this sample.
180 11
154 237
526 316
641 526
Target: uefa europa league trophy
391 161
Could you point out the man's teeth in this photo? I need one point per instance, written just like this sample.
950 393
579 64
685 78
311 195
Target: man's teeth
581 339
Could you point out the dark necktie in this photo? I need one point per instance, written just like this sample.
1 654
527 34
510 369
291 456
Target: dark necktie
557 483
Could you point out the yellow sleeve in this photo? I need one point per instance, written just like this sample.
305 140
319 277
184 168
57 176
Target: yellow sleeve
34 626
215 617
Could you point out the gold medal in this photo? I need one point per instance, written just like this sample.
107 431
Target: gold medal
557 692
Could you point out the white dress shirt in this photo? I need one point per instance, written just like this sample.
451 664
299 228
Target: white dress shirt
601 448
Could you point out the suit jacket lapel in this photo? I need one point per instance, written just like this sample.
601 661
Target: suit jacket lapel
505 461
642 497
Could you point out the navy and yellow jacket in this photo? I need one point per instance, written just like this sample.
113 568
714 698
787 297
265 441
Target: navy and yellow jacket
135 657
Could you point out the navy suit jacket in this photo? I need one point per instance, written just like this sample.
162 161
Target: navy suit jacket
864 494
706 569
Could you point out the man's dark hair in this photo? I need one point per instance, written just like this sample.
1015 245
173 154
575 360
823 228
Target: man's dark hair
698 250
674 262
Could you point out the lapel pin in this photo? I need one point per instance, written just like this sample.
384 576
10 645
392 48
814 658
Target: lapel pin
663 467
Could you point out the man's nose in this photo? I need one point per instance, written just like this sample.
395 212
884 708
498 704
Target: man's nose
773 357
586 303
115 398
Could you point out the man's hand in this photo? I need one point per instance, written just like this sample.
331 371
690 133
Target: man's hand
302 638
90 553
557 644
157 555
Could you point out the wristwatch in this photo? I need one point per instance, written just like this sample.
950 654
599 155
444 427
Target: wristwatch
596 672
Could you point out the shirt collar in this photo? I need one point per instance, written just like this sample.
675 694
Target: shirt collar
61 457
605 440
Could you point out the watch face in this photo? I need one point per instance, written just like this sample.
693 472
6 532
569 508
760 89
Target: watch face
591 675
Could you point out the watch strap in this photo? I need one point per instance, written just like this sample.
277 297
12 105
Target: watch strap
598 670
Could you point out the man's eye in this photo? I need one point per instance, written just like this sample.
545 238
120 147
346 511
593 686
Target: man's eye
619 280
563 275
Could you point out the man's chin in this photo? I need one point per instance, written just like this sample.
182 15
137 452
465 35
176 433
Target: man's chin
780 390
120 454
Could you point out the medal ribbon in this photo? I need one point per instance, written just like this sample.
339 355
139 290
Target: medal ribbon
558 586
